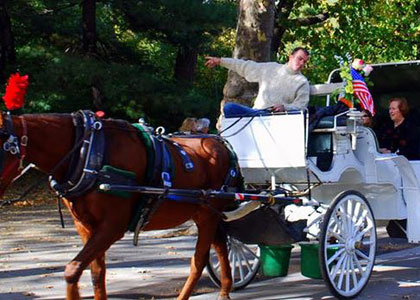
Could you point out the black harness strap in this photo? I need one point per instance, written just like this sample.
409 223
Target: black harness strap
163 163
89 158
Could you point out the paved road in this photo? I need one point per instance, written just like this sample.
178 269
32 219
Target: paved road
34 250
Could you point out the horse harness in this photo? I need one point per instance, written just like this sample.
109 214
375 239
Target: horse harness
87 162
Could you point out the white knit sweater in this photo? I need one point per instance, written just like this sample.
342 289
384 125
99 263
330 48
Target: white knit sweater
278 84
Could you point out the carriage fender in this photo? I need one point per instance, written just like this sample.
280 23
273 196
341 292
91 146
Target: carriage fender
410 190
244 209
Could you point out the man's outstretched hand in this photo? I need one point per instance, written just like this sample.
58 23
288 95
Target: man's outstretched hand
211 62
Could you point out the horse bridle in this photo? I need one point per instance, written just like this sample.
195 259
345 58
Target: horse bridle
12 144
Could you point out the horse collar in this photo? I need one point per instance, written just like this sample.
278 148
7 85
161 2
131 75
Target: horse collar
84 164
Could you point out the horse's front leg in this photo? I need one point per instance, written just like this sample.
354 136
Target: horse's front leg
206 231
94 249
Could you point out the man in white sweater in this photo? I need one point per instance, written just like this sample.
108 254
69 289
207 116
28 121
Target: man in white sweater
281 87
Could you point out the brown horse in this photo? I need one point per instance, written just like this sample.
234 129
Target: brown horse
102 219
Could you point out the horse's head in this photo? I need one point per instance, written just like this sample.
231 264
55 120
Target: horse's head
12 152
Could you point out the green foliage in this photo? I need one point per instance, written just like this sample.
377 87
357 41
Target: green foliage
189 23
377 31
63 83
133 70
138 42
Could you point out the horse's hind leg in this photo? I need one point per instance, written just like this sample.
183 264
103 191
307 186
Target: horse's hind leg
206 232
219 245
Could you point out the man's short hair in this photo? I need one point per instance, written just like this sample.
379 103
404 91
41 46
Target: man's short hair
294 51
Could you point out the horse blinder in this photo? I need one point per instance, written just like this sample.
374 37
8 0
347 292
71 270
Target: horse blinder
10 144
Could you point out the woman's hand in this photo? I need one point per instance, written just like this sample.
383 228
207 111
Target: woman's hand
384 150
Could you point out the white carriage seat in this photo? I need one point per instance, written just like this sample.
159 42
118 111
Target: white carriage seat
268 145
267 141
367 152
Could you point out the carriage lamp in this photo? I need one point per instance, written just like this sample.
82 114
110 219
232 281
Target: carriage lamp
354 119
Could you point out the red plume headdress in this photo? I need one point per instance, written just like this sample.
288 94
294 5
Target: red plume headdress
14 97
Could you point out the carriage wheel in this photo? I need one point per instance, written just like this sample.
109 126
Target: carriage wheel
244 263
348 245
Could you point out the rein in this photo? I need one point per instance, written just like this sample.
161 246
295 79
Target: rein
257 113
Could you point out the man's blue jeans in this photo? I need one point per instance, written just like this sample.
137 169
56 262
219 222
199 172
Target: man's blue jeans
238 110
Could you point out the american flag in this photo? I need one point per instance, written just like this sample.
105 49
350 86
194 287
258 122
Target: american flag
361 91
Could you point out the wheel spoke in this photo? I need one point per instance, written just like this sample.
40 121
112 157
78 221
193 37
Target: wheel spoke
342 221
360 253
233 264
338 266
335 256
356 212
359 266
342 269
363 232
360 221
250 251
230 254
366 243
240 267
349 214
337 236
348 274
216 266
245 259
353 271
332 246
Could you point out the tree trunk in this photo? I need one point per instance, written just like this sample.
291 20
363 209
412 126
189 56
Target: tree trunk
7 44
253 41
186 61
89 26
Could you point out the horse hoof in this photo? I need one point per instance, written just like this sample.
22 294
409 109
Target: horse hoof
223 298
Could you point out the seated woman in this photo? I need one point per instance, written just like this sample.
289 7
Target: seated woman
189 126
367 119
400 136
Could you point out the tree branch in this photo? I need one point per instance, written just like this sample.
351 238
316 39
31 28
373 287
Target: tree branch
63 7
309 20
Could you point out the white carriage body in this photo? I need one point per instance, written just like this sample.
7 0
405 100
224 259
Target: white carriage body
276 147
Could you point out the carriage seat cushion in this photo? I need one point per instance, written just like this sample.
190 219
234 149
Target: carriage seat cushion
328 122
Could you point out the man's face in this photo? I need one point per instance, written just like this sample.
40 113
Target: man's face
298 60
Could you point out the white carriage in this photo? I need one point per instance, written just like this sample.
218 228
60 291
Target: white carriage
338 169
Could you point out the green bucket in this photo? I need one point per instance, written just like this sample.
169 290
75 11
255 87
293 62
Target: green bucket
309 259
275 260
